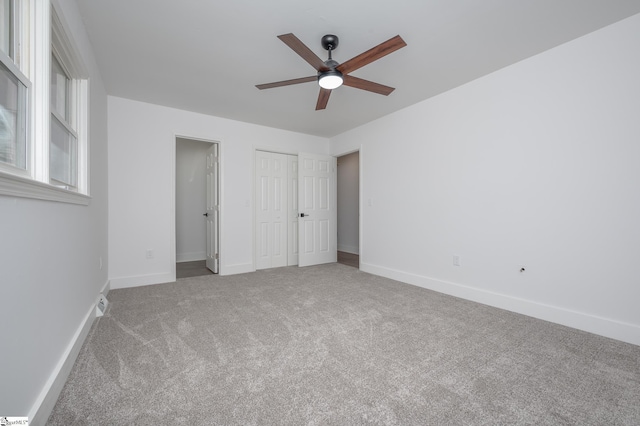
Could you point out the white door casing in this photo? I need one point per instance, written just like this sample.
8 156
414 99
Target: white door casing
317 221
213 209
271 210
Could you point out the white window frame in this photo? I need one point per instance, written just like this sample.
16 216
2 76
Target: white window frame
22 79
18 66
45 30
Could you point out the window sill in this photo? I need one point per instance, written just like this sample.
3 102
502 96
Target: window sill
16 186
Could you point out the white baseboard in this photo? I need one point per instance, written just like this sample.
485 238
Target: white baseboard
140 280
48 397
190 257
242 268
607 327
106 288
349 249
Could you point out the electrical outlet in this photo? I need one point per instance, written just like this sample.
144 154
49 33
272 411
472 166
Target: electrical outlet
149 253
457 260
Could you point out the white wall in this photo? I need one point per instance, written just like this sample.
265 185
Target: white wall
191 175
49 263
141 180
349 203
536 165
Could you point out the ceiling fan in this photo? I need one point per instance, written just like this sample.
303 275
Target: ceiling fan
331 74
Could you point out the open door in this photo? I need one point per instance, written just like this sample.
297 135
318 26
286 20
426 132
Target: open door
213 209
317 219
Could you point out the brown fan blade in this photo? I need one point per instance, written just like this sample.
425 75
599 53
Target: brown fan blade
367 85
381 50
323 98
301 49
287 82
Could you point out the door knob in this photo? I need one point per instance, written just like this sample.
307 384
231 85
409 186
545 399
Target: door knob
205 214
303 215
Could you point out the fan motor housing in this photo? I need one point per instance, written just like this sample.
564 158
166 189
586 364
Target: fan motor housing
331 64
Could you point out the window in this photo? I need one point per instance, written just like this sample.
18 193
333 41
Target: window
63 147
68 103
44 92
14 94
6 30
13 123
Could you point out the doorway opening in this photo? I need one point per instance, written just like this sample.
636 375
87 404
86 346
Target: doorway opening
349 209
197 207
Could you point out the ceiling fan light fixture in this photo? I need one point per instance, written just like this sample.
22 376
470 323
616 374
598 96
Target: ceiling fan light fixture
330 74
330 79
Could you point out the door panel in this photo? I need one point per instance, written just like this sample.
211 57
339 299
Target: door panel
264 238
323 235
308 192
318 226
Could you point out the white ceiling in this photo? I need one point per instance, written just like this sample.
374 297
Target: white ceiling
207 56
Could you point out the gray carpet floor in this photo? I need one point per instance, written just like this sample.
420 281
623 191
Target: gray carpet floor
331 345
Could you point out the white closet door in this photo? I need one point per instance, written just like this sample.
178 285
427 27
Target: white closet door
318 213
271 210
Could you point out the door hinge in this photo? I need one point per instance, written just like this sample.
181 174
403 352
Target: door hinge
217 256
